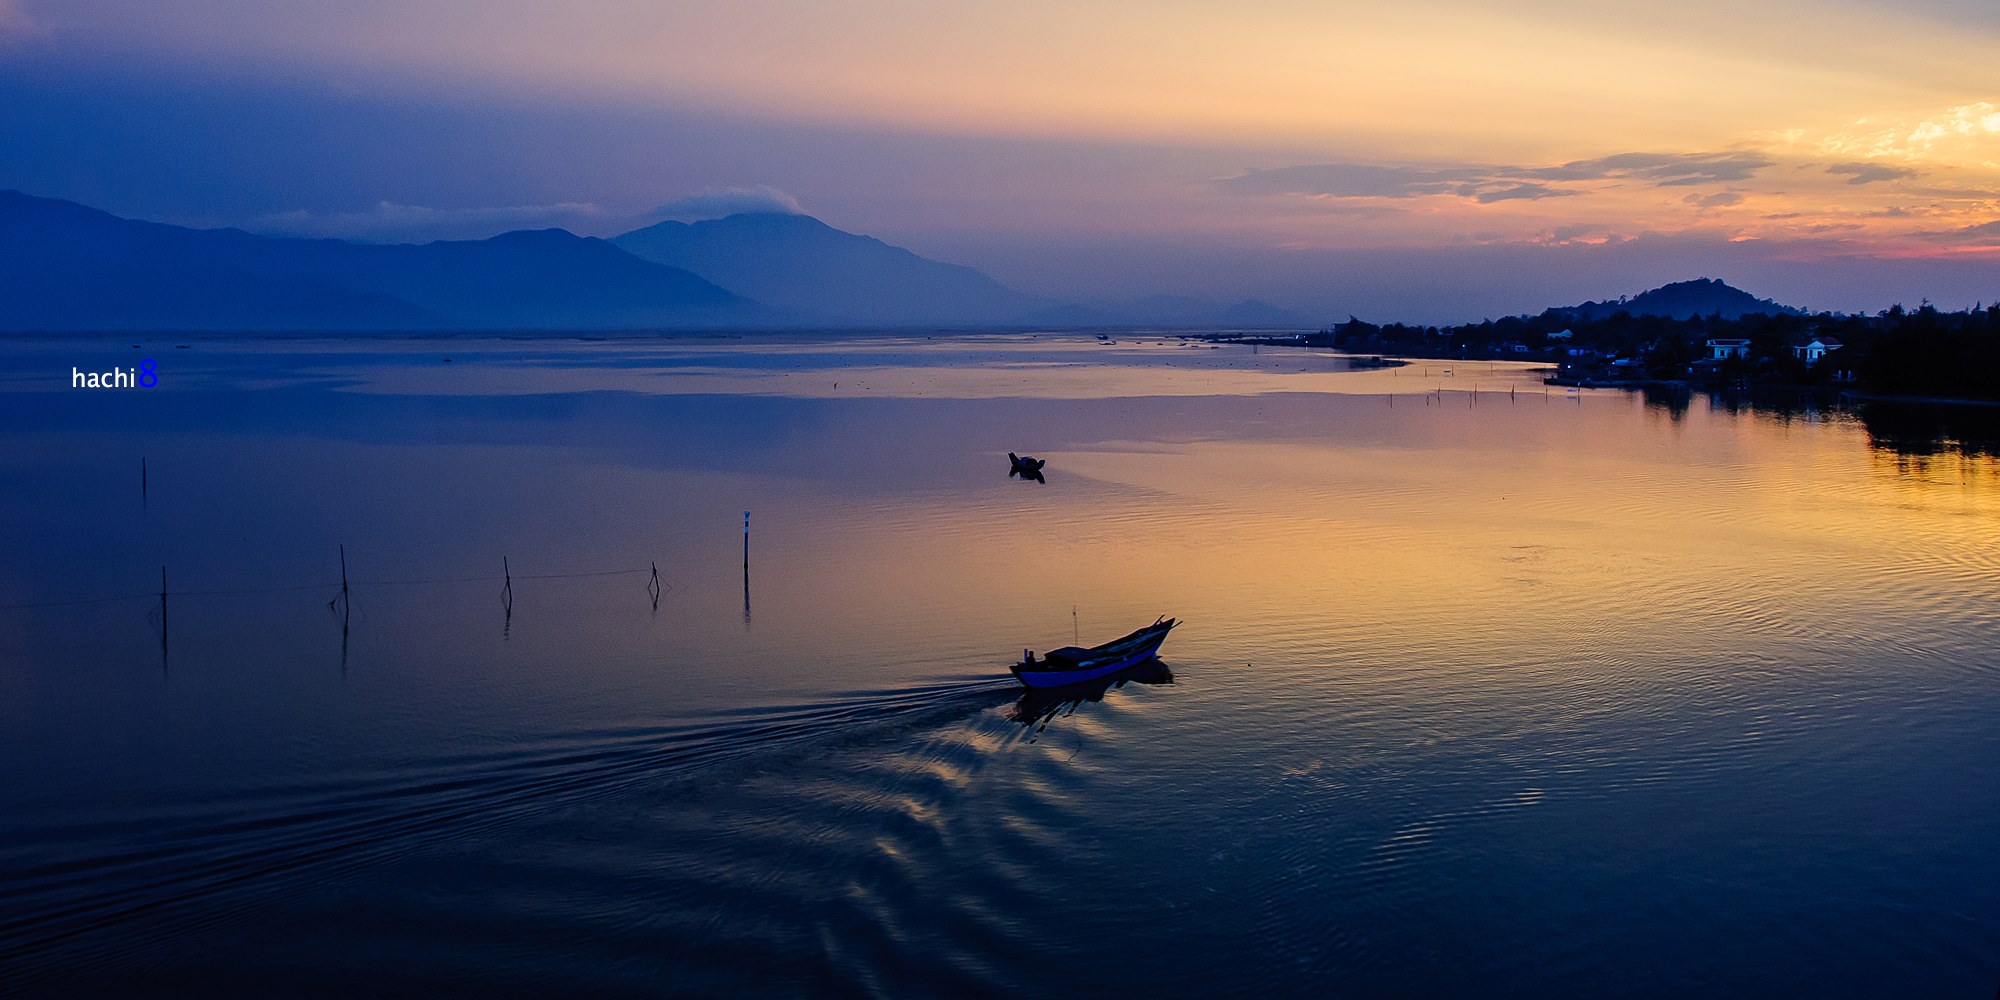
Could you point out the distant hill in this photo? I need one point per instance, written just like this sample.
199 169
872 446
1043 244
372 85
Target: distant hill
1682 300
800 263
76 268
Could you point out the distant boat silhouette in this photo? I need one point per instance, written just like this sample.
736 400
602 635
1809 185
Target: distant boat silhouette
1028 467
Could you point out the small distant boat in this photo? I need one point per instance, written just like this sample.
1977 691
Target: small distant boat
1075 665
1026 466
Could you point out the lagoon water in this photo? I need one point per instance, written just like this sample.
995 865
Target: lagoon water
1484 688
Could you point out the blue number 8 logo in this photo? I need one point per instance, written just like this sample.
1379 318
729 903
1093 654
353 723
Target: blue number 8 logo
149 374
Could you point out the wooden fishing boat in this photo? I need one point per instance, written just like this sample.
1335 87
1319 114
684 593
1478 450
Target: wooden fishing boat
1075 665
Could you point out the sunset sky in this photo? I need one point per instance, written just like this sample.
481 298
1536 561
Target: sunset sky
1429 161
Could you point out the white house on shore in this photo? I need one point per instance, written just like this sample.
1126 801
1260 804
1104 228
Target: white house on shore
1721 348
1812 350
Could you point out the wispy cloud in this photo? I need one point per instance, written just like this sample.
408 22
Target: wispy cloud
1977 119
388 220
1869 173
1963 133
716 203
1357 180
1368 180
1663 169
1581 234
1519 192
1985 234
1720 199
1487 184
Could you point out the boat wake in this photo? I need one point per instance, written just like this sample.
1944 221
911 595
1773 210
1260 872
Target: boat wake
63 885
1037 707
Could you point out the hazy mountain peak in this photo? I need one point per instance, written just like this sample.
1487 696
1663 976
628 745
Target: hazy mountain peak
799 262
542 236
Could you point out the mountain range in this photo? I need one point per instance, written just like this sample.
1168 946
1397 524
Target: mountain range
71 267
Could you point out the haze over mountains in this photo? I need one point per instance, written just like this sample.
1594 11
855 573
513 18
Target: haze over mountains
76 268
799 263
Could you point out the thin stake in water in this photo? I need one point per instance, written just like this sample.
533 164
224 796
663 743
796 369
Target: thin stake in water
346 609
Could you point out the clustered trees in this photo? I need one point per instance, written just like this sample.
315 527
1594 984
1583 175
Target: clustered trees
1932 353
1916 352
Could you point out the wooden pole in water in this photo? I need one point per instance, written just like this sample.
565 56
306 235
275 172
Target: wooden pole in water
346 609
506 599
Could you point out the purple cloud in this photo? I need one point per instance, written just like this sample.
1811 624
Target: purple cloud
1663 169
1869 173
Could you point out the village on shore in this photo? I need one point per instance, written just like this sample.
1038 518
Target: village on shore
1705 333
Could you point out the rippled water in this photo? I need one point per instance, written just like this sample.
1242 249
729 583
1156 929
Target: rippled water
1484 688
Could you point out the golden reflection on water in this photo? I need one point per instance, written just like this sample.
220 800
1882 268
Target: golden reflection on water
1531 531
1564 647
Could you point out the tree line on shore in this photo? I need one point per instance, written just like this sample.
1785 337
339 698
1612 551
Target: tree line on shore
1919 352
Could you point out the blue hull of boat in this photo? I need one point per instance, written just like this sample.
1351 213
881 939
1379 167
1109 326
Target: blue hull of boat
1094 671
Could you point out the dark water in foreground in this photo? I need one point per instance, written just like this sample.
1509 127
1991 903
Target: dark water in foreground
1513 694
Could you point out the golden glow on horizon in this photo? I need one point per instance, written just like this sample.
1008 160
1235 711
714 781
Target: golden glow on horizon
1881 127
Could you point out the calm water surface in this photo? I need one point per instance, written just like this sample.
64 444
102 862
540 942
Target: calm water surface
1483 690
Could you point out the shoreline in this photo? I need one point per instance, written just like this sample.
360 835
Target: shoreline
1883 397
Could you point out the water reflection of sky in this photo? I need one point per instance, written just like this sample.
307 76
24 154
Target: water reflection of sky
1566 647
